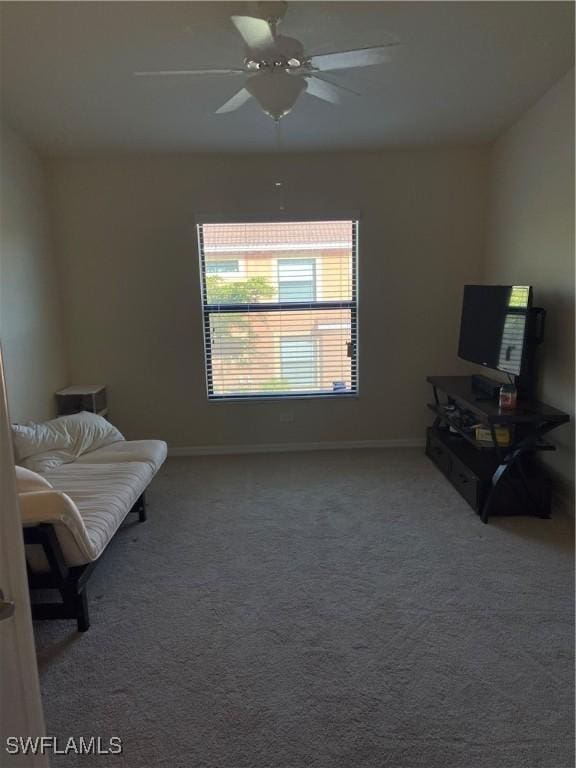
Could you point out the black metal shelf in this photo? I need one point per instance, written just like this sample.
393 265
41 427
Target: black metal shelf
459 389
439 410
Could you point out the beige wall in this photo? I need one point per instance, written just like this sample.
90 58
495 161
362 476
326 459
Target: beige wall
530 237
30 310
130 275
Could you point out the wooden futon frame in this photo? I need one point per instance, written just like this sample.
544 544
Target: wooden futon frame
70 582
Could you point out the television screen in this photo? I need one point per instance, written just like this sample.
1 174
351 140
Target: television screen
493 326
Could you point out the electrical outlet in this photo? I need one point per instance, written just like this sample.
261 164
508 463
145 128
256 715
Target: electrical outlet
286 418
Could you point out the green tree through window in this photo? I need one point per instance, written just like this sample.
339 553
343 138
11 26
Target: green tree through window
220 291
232 334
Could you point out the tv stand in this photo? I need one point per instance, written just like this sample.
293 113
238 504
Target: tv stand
492 477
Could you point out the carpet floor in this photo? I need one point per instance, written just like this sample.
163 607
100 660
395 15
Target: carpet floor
323 610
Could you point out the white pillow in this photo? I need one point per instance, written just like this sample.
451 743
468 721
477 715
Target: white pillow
44 446
28 481
31 438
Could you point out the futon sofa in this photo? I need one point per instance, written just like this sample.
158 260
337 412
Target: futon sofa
77 479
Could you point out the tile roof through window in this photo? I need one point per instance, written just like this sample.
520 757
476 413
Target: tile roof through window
256 234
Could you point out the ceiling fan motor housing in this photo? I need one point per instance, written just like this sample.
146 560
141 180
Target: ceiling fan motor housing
287 53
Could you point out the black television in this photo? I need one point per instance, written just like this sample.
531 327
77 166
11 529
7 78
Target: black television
494 328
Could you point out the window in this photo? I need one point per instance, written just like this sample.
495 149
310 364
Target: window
214 267
298 362
297 279
285 324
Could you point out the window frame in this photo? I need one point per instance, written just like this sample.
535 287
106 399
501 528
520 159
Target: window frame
352 305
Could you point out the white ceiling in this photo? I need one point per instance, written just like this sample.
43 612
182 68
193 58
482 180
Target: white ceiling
464 72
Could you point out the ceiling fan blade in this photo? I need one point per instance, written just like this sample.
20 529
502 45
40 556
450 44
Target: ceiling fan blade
340 87
235 102
359 57
180 72
256 33
322 90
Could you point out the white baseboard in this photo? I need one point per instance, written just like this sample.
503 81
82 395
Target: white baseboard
219 450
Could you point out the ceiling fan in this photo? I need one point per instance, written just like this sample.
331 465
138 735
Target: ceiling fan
278 69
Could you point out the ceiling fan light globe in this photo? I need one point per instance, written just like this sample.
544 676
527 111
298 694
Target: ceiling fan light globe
276 92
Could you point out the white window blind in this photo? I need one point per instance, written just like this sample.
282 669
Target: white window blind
286 323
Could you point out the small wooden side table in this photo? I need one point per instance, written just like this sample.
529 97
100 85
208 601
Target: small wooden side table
82 397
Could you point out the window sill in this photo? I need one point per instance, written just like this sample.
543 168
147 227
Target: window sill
280 398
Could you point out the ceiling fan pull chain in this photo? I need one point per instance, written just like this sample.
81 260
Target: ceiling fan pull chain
279 184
